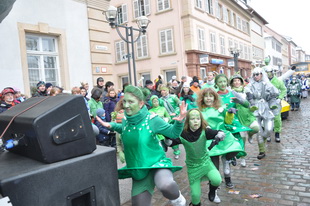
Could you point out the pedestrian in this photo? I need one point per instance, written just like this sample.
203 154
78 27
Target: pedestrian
219 118
230 99
55 91
48 87
94 103
146 162
279 84
245 116
84 93
195 87
262 96
100 85
294 93
209 80
109 104
188 96
304 87
198 162
104 136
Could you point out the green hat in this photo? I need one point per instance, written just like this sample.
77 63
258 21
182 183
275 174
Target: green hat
236 76
139 92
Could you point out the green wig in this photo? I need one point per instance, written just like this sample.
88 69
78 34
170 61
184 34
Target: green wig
219 76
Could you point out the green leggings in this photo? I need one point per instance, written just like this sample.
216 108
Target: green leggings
215 179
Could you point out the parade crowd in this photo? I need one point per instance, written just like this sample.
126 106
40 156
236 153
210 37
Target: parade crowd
213 119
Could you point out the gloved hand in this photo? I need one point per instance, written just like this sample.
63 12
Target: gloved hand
237 101
293 68
168 142
121 156
232 110
274 107
253 108
220 135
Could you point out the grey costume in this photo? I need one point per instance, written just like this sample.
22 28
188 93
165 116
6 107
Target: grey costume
263 94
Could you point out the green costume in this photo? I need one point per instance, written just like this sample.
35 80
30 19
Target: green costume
199 166
216 120
191 102
142 150
93 106
279 84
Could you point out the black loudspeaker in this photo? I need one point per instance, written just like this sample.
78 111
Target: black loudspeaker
88 180
53 129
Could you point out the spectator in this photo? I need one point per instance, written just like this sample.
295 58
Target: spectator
108 85
103 138
95 103
195 85
41 90
109 104
56 90
19 96
100 84
85 85
209 81
84 93
121 93
77 91
7 96
48 88
294 92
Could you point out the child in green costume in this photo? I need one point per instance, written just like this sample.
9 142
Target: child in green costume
199 164
146 162
219 118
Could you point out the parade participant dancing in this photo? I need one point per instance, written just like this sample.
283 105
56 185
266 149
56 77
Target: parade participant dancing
218 118
279 84
146 162
245 116
199 165
262 96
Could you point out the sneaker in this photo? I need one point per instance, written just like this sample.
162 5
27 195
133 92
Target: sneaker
261 155
216 198
180 201
176 157
228 183
233 161
226 167
277 137
242 162
250 139
268 139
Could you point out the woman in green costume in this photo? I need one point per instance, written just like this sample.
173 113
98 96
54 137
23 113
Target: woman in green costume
219 118
146 162
230 99
245 115
199 165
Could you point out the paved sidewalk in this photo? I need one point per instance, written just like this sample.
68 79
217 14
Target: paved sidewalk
282 178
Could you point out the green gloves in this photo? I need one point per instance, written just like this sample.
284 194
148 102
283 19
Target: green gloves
121 156
253 108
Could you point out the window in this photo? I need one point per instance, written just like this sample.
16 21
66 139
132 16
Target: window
199 4
245 26
121 54
222 44
166 41
201 40
213 42
209 6
233 19
163 5
42 59
230 43
246 52
146 76
229 17
203 72
122 16
241 50
256 28
141 8
142 47
170 73
124 79
258 53
225 14
238 23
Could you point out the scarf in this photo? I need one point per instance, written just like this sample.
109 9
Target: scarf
167 104
137 118
191 136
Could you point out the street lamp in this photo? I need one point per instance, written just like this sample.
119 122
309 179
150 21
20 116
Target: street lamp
235 52
142 22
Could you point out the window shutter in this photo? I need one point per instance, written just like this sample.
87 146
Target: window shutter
147 7
136 8
125 13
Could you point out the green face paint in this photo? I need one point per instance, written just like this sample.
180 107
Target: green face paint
155 102
222 83
194 120
131 104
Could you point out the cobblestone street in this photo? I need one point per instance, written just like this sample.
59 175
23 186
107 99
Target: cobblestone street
282 178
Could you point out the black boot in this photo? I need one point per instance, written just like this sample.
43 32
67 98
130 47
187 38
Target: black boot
228 183
211 194
191 204
164 146
261 155
277 137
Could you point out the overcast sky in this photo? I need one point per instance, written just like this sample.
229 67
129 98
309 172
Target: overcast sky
286 17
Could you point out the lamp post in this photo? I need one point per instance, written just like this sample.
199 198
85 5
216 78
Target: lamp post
235 52
142 22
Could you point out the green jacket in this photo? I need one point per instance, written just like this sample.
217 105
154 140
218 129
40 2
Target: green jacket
279 84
